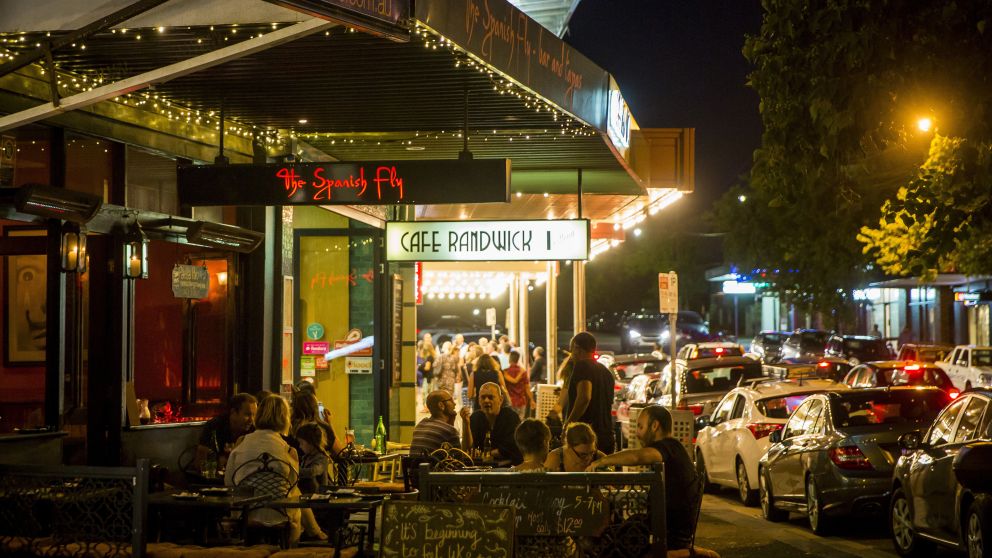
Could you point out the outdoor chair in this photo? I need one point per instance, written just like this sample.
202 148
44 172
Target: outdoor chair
273 478
694 551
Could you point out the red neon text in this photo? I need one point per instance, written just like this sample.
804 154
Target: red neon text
292 181
388 176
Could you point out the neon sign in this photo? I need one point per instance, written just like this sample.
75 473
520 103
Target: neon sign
360 183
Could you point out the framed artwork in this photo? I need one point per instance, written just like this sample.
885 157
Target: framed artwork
25 280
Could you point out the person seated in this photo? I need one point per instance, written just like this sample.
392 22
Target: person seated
305 410
577 453
439 428
314 475
221 433
682 489
493 425
532 437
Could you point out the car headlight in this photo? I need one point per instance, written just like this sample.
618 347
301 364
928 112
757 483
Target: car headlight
664 335
634 334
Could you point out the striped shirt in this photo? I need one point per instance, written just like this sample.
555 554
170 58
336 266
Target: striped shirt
430 433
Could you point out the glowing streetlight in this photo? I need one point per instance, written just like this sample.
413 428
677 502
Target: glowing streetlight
742 198
924 124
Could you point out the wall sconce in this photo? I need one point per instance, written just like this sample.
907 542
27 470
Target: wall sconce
135 253
57 203
73 248
223 236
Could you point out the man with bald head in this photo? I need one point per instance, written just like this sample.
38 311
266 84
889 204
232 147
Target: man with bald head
497 423
439 428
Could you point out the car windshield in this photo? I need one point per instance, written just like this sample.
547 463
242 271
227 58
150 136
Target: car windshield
919 377
772 339
868 348
981 357
781 407
630 370
883 407
646 323
713 352
931 355
719 378
815 339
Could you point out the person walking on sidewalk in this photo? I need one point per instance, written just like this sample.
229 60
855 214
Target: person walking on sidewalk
590 391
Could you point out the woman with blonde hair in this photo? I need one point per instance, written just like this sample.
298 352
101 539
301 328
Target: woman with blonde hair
577 453
447 371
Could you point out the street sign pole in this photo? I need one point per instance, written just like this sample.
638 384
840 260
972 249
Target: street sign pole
668 296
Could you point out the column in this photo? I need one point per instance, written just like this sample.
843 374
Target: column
578 296
551 309
522 340
511 313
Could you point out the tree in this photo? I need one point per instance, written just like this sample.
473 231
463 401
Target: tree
841 84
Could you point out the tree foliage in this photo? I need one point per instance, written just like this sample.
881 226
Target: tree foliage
841 83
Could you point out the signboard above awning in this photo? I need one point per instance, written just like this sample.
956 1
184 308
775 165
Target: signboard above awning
445 241
361 183
385 17
510 41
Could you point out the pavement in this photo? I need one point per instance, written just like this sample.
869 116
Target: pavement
733 530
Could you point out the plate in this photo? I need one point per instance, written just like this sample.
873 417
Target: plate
344 491
217 491
186 496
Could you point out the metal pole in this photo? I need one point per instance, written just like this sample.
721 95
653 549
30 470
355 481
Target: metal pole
672 335
735 316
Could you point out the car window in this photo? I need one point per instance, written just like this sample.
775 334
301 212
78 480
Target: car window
851 377
962 358
813 420
796 424
981 357
720 378
970 418
723 411
872 407
907 354
940 433
738 411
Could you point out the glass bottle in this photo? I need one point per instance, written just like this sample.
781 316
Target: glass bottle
210 463
380 437
487 447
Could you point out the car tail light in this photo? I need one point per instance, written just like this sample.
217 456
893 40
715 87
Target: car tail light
912 368
850 458
696 409
953 393
617 387
824 365
762 429
719 350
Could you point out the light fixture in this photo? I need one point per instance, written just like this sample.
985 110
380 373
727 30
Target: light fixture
303 121
57 203
223 236
135 253
73 248
924 124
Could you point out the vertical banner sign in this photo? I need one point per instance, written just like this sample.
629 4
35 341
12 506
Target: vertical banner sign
397 341
668 292
418 273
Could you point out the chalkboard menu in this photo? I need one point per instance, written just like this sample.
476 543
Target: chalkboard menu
434 530
550 510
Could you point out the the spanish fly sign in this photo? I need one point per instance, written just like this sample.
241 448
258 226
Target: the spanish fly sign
446 241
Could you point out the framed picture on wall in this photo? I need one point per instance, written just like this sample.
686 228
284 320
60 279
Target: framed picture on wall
25 280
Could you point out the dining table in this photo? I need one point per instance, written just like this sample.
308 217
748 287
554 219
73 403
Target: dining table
204 507
345 501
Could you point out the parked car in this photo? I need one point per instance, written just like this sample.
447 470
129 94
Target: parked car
767 345
732 440
969 366
805 343
641 389
857 348
924 353
645 332
710 349
896 373
937 495
706 381
446 327
836 453
626 368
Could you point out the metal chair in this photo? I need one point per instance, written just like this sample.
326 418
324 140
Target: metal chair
273 478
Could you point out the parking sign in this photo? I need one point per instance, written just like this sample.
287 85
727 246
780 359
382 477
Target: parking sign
668 292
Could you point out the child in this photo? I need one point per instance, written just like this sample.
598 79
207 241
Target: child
313 472
532 437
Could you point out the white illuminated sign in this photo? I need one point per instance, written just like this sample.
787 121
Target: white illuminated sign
618 120
733 287
446 241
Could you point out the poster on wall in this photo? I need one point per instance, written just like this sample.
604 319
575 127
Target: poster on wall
397 341
25 320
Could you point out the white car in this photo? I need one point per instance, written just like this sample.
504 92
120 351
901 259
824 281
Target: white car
735 437
969 366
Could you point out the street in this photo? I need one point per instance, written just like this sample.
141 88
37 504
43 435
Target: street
733 530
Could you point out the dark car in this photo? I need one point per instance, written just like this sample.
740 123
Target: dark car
605 321
836 453
858 348
898 373
646 332
702 383
805 344
768 345
941 485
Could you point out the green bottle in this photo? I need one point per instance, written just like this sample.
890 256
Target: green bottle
380 437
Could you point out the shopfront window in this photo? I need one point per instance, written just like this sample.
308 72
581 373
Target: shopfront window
24 156
182 348
88 164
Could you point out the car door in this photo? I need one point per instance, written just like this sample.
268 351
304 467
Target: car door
718 443
786 465
851 380
922 472
805 448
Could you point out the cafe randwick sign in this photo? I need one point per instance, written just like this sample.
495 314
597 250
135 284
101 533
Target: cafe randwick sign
443 241
444 181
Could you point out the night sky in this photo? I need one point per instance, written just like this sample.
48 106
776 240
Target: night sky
679 65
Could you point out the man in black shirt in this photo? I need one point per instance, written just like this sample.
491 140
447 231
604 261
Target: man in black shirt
537 373
590 392
221 432
498 422
682 497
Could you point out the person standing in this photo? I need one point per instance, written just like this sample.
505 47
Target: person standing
875 332
906 335
447 371
485 370
518 385
590 391
537 367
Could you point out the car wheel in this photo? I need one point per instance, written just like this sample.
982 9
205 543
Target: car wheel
749 496
702 473
768 509
903 535
967 385
977 529
818 520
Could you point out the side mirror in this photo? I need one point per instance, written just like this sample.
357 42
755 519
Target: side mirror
911 441
775 437
702 422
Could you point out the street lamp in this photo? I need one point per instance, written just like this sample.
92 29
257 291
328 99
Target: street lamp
924 124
